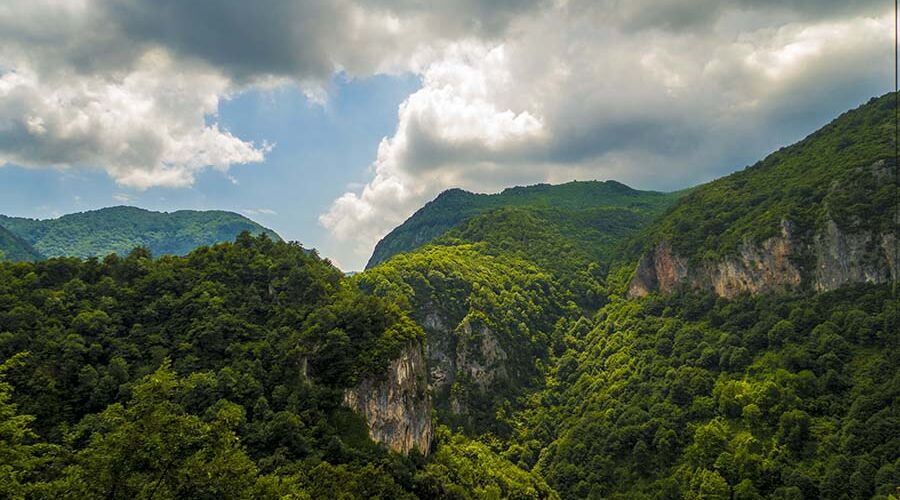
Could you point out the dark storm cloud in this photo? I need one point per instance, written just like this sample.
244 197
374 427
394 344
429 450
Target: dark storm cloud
244 38
684 15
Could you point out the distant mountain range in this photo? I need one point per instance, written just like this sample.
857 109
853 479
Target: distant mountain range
119 230
585 204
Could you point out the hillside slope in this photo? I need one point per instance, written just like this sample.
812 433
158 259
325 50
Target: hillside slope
14 248
121 229
818 214
233 366
791 393
454 206
490 290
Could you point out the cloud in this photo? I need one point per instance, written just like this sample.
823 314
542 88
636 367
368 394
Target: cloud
253 212
132 87
143 129
580 90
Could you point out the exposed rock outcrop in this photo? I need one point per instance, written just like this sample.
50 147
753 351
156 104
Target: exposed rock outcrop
660 269
843 258
840 257
397 406
469 352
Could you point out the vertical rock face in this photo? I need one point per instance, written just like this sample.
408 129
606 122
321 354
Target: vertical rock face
756 268
469 353
844 258
661 270
397 405
841 258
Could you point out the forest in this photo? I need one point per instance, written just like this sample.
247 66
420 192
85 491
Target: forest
179 377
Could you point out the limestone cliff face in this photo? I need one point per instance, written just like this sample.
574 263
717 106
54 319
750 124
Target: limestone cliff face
660 269
397 405
468 352
841 258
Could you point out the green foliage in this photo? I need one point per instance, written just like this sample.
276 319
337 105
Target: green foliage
235 319
214 375
696 397
14 248
120 229
152 447
20 459
463 468
598 203
465 296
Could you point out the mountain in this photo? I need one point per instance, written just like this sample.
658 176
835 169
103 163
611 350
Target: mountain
819 214
121 229
489 276
541 331
455 205
14 248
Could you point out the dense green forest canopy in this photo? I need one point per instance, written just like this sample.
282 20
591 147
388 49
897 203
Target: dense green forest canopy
692 396
98 233
682 396
454 206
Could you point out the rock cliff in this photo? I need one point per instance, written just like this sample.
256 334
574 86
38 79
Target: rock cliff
839 258
468 353
397 404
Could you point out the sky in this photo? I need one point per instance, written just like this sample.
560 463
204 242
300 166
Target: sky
333 121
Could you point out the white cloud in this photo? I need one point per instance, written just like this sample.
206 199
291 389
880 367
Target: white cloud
455 118
572 93
144 128
252 212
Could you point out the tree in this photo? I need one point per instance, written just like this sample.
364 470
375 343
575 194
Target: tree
19 460
708 485
152 448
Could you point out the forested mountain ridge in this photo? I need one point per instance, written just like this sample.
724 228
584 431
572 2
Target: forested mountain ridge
491 291
225 373
703 392
454 206
819 214
98 233
14 248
